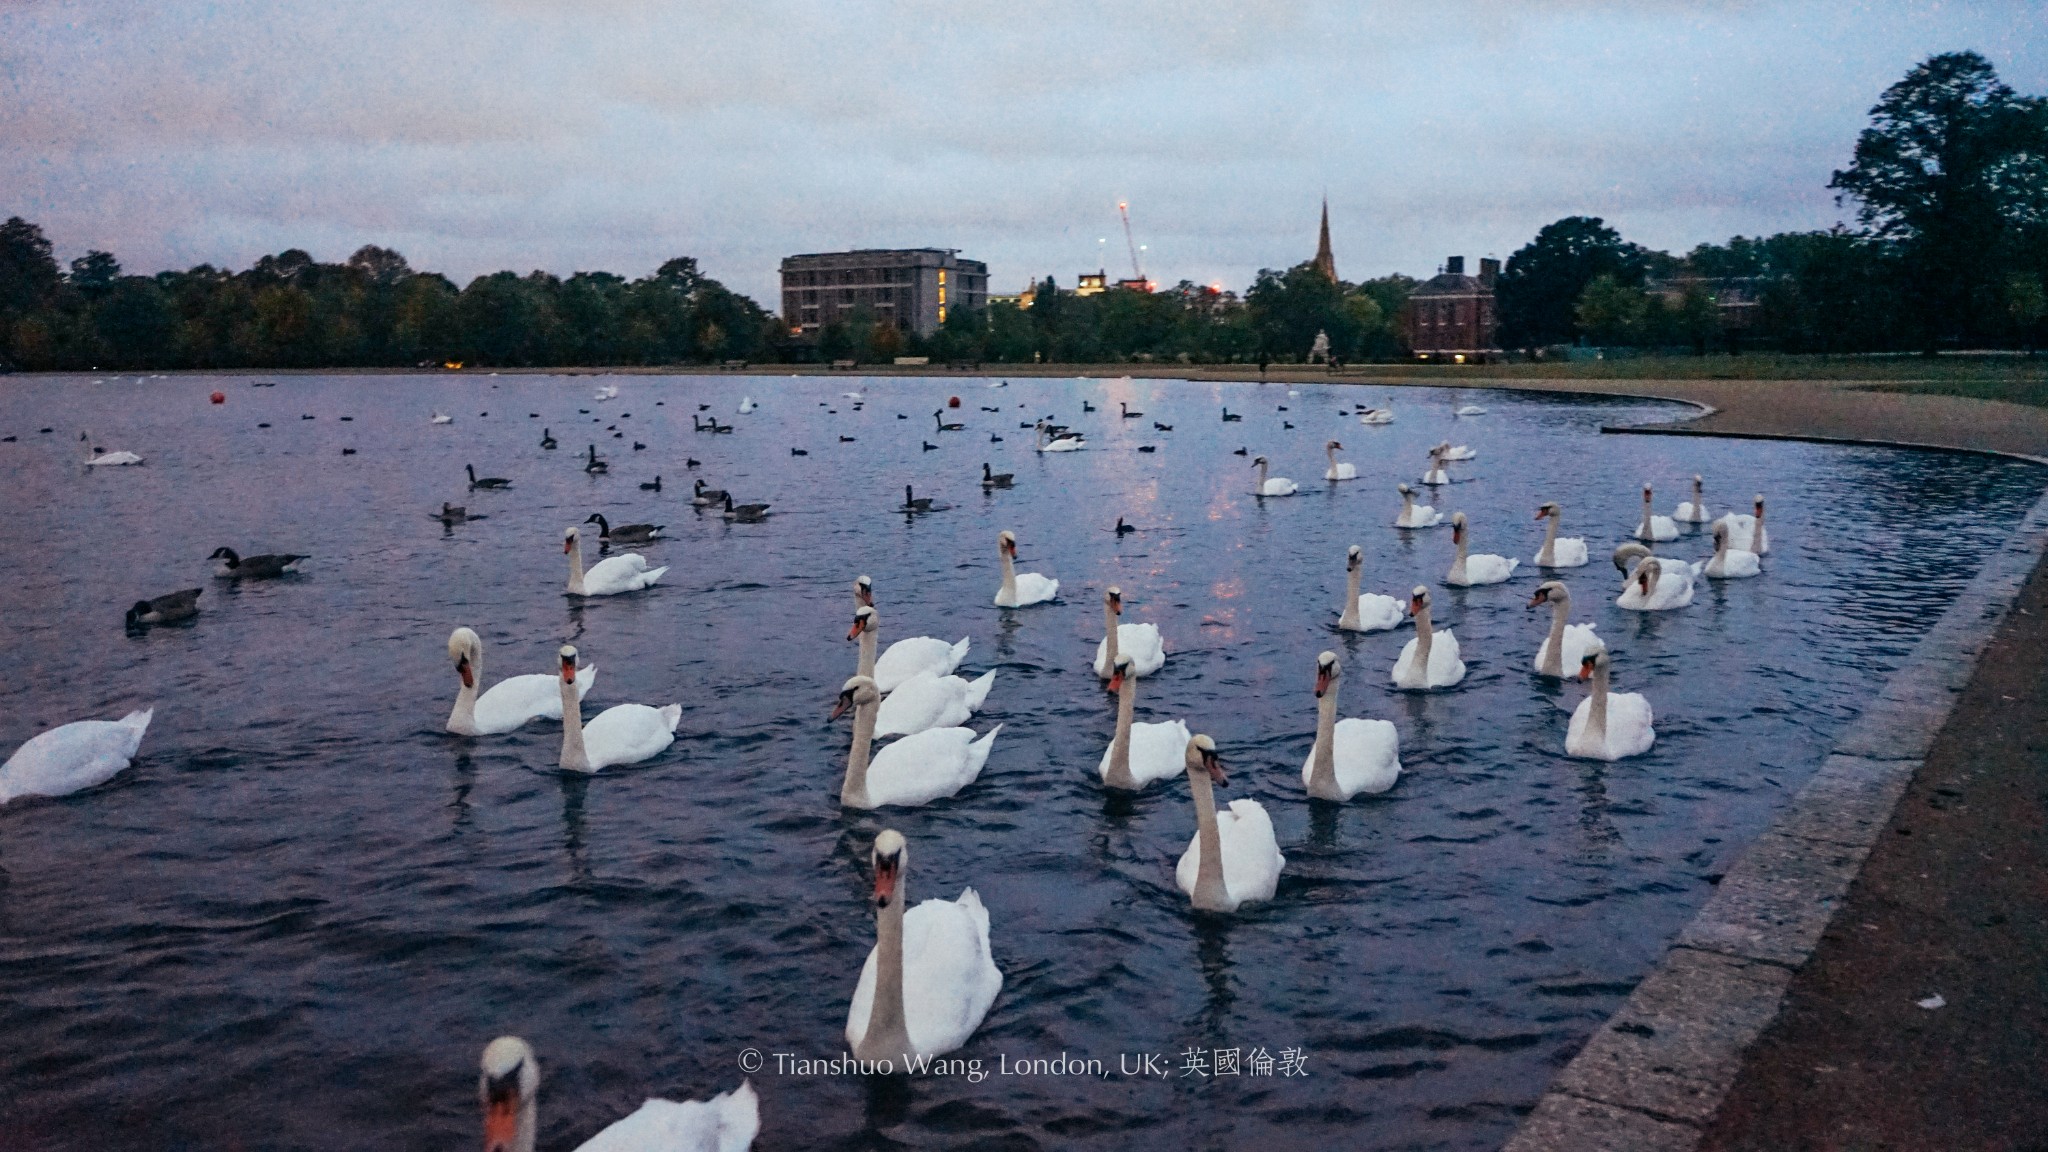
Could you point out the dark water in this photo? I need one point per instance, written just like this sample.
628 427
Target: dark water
297 920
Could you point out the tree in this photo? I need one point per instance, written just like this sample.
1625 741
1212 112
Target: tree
95 272
2027 302
1610 312
380 265
28 272
1539 290
1953 164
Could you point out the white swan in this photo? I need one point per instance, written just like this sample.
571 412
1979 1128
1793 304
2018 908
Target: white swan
917 769
1140 642
1569 552
747 405
1376 416
607 392
1458 451
1436 474
1048 441
1468 410
1729 563
440 418
1654 587
1748 532
1350 756
72 757
627 573
105 459
509 1089
930 701
1559 654
1431 659
1233 858
1338 470
1413 516
1608 727
1020 589
1655 527
621 734
1467 570
1693 511
1276 486
1138 754
511 702
1370 612
930 977
905 659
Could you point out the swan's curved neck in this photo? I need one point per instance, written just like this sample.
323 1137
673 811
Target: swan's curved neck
853 791
867 653
1644 529
1332 454
888 1035
1424 637
1721 549
576 566
1009 576
1210 892
574 757
463 718
1550 537
1699 497
1407 505
1464 545
1350 617
1119 774
1596 717
1262 475
1553 652
1109 635
529 1123
1322 779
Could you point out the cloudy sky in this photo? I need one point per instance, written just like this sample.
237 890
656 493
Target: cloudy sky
475 135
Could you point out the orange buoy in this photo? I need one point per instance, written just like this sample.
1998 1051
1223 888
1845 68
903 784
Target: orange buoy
219 397
953 403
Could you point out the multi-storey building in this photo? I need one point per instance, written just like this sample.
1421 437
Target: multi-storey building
1451 316
912 288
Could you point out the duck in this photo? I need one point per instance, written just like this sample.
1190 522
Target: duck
489 482
996 479
1467 570
1570 552
1729 563
438 418
1350 756
621 734
170 608
905 659
706 496
1020 589
269 566
595 466
547 440
1608 726
1431 659
930 978
1274 486
928 701
96 458
1656 587
653 485
73 757
1233 859
1158 427
624 573
1139 754
1468 410
1141 641
1436 474
745 513
1370 612
508 1086
510 703
1566 643
1693 511
1337 471
916 770
1654 527
1748 532
624 533
1122 529
1412 515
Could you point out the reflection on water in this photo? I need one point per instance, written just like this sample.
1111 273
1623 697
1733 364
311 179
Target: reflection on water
299 917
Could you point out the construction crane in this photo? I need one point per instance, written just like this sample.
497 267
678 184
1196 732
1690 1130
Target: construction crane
1124 210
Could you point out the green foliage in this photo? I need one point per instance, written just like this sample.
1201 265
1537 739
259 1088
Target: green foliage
1539 289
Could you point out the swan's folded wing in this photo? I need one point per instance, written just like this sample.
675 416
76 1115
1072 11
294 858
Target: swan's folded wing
947 962
726 1122
1158 750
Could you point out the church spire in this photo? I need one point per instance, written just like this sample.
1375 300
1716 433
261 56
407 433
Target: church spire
1325 261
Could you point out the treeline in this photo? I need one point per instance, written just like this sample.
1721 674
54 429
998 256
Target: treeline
374 310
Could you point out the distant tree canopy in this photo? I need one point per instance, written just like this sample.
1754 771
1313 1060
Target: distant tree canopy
291 311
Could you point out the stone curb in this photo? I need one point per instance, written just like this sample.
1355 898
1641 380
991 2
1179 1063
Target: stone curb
1651 1078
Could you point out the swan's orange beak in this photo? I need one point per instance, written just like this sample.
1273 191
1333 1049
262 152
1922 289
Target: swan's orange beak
568 543
568 672
1322 681
839 709
1586 668
1643 582
1214 764
886 871
1457 533
1116 681
462 670
854 633
1541 595
501 1122
1541 513
1414 605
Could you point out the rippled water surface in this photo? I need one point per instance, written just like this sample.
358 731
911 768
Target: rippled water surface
295 922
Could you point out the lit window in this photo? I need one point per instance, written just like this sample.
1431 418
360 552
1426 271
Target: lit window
942 277
942 314
942 291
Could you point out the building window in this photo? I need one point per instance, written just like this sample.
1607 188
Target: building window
942 309
942 277
942 289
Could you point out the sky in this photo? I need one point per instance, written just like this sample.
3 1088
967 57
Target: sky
566 135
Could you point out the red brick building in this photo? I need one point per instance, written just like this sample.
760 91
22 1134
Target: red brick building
1451 317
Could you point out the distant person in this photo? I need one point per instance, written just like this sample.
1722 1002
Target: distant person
1262 365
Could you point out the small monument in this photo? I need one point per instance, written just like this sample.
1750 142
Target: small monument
1319 352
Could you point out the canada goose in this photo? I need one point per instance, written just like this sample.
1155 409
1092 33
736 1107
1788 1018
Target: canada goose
166 609
1148 448
1241 452
717 427
912 504
348 451
595 466
692 462
1128 414
994 439
639 447
455 514
486 481
651 486
929 446
939 418
1230 418
547 440
265 567
846 440
745 513
1123 529
705 497
624 533
995 479
1087 407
